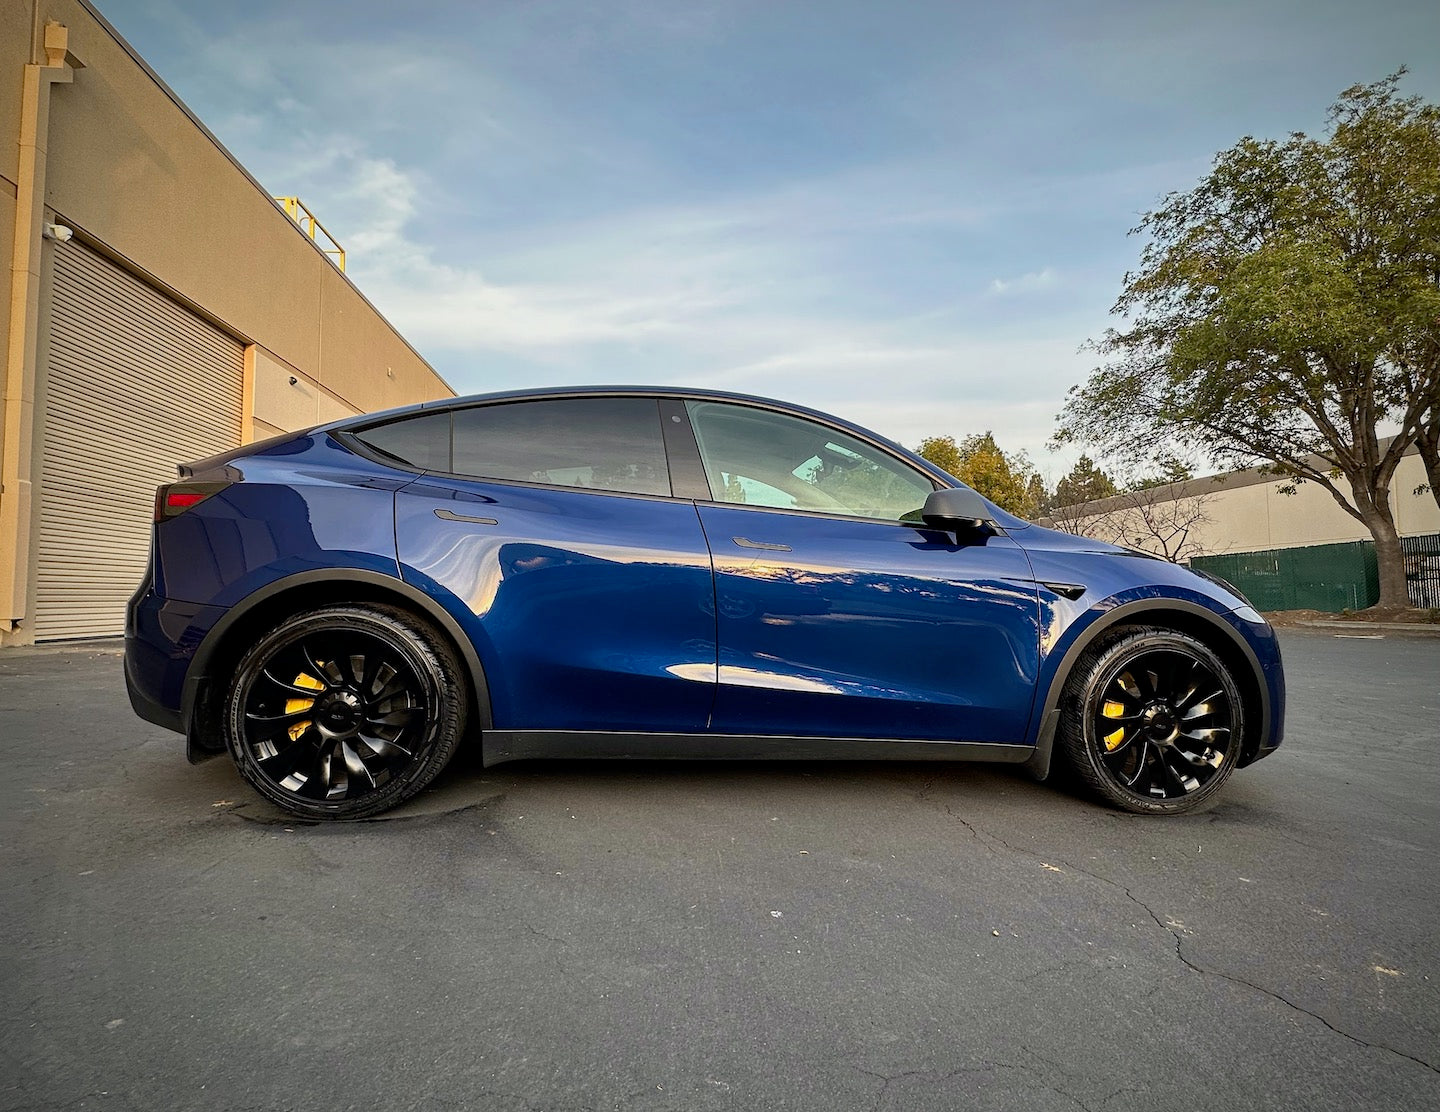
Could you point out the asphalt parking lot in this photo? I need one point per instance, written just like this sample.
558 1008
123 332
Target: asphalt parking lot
749 936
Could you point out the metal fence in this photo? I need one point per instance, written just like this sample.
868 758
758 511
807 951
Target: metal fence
1329 577
1422 569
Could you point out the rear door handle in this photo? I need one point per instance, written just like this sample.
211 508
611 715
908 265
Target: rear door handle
450 515
746 542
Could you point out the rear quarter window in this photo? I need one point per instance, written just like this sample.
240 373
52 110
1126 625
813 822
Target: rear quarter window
421 441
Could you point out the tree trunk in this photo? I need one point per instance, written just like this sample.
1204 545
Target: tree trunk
1388 557
1427 439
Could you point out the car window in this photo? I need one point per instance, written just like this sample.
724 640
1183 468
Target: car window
594 443
422 441
759 458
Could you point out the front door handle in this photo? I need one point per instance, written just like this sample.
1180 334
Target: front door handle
746 542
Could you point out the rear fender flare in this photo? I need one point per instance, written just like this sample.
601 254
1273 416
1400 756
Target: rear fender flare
198 674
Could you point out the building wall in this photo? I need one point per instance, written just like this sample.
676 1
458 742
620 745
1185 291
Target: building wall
141 181
1246 512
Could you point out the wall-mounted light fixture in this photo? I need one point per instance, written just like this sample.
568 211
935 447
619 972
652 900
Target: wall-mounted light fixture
58 232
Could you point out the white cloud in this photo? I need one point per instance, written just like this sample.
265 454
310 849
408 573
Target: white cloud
1032 282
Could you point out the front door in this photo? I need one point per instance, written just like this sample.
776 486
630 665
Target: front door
837 619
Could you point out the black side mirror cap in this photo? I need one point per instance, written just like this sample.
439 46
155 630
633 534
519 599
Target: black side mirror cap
955 508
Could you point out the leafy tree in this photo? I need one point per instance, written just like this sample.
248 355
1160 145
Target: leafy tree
1285 309
1168 469
1085 483
1006 478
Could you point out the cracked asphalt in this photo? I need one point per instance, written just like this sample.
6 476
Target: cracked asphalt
576 936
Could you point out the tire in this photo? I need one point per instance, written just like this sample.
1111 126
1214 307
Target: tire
1151 721
345 711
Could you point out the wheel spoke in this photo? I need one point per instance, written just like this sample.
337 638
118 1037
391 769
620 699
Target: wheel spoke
383 748
381 681
1210 758
1140 755
333 778
355 768
280 761
1211 704
1182 779
401 716
314 666
1191 683
278 719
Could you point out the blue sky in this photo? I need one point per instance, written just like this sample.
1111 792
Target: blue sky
912 214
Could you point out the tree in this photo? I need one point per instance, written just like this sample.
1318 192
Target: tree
1153 518
1152 512
1006 478
1085 483
1285 309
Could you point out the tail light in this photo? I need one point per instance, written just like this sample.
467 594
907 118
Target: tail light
174 499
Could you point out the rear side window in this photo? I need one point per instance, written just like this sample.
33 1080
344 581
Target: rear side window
594 443
422 441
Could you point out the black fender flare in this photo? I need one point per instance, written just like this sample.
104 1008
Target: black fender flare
1132 612
197 676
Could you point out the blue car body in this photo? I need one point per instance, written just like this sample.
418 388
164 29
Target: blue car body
637 624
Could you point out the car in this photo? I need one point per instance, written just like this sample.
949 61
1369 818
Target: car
663 573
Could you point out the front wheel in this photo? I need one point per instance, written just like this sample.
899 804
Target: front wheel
1152 721
345 711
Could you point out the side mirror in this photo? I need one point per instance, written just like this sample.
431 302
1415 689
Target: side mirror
955 508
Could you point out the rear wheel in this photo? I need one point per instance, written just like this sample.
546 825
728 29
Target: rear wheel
1151 721
345 711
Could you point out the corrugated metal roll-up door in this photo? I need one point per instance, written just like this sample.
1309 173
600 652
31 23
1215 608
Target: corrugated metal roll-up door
135 384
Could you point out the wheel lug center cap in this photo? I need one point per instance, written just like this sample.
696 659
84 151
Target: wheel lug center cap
340 711
1159 720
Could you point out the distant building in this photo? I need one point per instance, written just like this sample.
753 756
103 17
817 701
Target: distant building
1287 551
161 307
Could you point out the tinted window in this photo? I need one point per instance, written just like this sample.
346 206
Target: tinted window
760 458
422 441
597 443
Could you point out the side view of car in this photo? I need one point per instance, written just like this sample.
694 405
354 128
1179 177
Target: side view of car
645 572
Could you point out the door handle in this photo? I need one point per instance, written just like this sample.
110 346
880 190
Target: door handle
746 542
450 515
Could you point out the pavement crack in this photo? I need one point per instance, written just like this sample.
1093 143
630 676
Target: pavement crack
1233 979
991 841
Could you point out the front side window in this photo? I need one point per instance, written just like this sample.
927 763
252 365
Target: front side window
759 458
609 444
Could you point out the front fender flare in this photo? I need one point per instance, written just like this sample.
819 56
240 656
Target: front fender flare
1048 712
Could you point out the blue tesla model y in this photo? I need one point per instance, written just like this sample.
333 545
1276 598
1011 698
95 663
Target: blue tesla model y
638 572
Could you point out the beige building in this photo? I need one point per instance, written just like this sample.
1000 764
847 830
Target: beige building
161 307
1247 511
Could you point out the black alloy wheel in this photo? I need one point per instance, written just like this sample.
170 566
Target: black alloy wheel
346 711
1152 721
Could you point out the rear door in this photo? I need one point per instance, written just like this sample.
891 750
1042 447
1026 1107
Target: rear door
587 584
838 619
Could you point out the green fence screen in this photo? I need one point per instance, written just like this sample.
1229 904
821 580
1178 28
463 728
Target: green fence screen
1330 577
